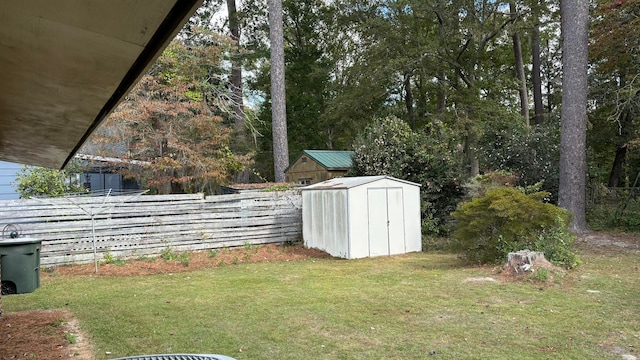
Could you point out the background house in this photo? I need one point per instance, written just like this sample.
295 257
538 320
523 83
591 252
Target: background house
100 174
8 172
314 166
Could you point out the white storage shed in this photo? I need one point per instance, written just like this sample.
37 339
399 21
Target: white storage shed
357 217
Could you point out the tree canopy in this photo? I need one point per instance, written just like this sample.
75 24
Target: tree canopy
479 79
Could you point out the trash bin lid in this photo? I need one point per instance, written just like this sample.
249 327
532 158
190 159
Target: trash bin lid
19 241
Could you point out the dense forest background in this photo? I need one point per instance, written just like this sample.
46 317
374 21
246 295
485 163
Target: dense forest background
453 89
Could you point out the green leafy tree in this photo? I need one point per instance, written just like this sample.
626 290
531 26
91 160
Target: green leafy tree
530 152
383 148
389 147
615 86
39 181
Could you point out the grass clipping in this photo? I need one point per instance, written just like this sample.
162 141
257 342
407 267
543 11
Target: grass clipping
533 265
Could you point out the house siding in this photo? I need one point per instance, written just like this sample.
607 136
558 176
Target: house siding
8 172
310 171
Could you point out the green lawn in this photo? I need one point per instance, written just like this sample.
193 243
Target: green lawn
400 307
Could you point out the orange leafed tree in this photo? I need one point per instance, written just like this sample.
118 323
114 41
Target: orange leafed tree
174 120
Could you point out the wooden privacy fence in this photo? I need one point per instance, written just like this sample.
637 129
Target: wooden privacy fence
146 225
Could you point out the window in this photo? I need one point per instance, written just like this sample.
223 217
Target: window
304 159
305 181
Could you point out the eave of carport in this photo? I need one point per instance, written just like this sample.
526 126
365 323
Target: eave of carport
171 25
65 65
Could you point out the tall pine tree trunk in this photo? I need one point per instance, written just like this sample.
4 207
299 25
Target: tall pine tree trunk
441 96
517 52
572 190
618 165
625 121
536 79
236 94
278 101
408 101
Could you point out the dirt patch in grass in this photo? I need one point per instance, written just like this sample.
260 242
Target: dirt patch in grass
42 335
45 335
608 242
174 262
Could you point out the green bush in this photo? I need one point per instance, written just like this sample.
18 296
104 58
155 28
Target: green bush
38 181
613 210
389 147
506 219
531 152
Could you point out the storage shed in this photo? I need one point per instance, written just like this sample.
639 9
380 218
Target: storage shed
357 217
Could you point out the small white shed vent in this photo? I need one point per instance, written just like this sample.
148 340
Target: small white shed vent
356 217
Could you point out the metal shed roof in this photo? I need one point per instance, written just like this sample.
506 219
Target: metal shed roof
351 182
66 64
328 159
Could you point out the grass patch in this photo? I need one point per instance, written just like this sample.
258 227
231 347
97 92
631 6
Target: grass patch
109 258
401 307
168 254
71 338
146 258
58 322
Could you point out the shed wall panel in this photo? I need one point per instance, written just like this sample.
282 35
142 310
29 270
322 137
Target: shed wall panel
396 221
412 220
358 223
308 210
340 224
328 232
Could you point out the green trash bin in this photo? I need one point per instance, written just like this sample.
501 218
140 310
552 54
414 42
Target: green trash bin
20 260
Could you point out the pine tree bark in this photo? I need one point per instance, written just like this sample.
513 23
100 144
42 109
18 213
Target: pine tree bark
625 121
408 101
617 167
574 29
236 70
517 52
237 93
536 79
278 102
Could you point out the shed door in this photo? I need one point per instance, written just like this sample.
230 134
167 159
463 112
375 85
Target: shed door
386 221
395 213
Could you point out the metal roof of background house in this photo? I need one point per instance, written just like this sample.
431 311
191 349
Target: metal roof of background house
328 159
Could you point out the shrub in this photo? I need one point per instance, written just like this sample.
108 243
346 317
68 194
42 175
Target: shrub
38 181
532 153
382 149
506 219
613 209
389 147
